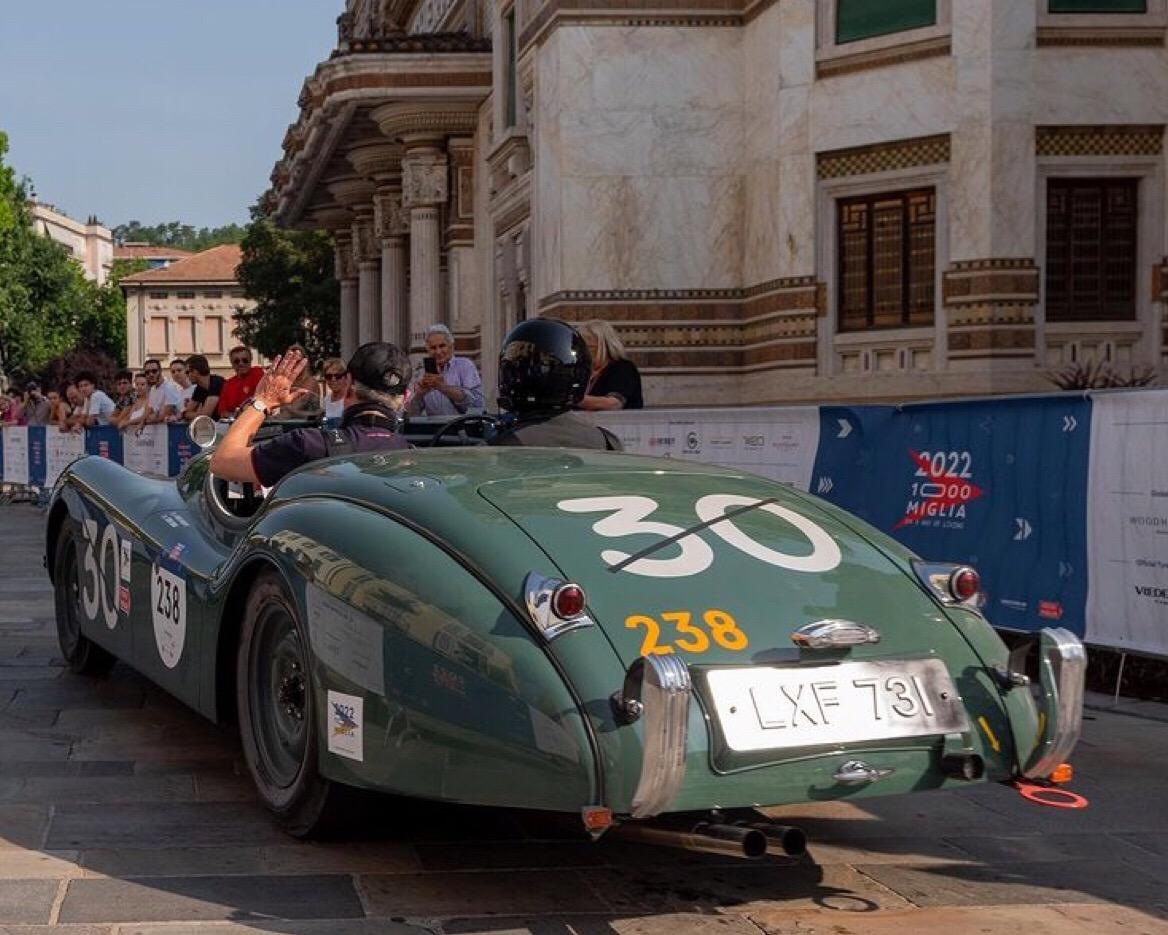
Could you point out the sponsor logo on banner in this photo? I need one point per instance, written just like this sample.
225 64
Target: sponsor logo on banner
346 716
1153 593
693 443
753 441
1050 610
1011 604
1159 523
942 490
661 441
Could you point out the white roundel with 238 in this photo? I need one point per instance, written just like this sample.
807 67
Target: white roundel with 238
630 515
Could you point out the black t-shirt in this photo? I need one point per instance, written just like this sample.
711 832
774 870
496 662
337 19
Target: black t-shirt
364 427
558 431
214 388
622 379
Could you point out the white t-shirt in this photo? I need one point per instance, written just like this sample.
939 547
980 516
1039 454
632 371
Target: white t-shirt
167 393
186 394
333 407
100 405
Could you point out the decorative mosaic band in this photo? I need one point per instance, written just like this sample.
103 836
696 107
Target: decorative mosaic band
640 13
766 326
995 281
1160 281
992 342
883 157
1085 36
1118 140
882 58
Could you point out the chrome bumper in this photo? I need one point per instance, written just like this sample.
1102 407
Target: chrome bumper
1062 669
658 689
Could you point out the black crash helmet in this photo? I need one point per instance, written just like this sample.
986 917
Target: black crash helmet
544 367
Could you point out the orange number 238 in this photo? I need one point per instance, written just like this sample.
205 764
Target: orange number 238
691 637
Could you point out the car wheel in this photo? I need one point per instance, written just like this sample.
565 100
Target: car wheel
278 716
82 655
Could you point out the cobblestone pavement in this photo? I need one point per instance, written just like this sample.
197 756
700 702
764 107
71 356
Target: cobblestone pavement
122 813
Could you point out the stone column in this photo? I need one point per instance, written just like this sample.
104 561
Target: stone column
356 196
346 271
391 225
424 191
367 253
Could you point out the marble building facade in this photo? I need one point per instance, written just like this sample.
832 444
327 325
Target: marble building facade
773 200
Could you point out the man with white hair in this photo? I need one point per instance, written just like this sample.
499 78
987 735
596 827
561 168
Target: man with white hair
447 385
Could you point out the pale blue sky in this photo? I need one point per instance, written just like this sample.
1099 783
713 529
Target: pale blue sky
155 110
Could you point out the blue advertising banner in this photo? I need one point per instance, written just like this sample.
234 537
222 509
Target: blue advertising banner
37 460
105 442
848 439
179 449
1000 484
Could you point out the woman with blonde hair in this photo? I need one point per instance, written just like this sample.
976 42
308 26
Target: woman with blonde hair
336 387
615 382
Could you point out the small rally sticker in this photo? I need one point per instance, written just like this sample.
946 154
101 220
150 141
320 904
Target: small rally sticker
127 555
124 599
168 607
346 714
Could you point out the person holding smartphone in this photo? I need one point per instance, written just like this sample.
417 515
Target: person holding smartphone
447 385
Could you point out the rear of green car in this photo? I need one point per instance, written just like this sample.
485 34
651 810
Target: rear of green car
777 650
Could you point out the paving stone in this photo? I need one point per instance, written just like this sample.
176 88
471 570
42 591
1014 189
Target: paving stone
665 924
1116 920
74 692
342 857
978 920
84 827
508 856
209 755
68 768
740 888
174 861
1019 883
21 864
167 899
27 900
98 789
223 786
291 927
477 894
877 850
56 930
1044 847
55 750
23 825
1153 843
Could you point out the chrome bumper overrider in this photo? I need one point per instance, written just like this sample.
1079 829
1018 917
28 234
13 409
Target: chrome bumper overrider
1062 668
658 689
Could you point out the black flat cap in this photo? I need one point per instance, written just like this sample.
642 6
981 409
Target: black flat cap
381 366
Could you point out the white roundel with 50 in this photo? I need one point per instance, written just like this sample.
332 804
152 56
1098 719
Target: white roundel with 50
168 608
629 516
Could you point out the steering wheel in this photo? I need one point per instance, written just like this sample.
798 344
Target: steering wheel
462 421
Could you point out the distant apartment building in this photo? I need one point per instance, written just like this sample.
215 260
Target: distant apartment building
91 244
185 308
156 257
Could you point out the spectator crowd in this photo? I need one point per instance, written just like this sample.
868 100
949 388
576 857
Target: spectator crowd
446 385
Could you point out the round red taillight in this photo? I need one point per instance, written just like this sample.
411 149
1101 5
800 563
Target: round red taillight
568 601
964 584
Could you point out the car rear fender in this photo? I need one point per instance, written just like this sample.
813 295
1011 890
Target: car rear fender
458 698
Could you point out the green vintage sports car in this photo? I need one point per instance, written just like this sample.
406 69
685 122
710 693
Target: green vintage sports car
625 639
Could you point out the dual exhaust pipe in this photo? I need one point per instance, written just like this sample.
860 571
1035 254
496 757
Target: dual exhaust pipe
748 840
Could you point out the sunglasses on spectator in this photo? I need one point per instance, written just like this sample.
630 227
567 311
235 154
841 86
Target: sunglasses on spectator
152 370
241 360
335 376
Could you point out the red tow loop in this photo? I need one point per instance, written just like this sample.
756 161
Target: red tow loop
1049 795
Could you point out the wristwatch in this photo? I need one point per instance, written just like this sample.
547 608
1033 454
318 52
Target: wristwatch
259 407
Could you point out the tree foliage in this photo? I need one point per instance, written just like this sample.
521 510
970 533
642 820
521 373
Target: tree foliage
47 306
179 235
289 275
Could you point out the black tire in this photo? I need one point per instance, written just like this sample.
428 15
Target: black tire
82 655
278 718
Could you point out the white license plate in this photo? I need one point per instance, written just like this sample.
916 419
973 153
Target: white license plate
769 708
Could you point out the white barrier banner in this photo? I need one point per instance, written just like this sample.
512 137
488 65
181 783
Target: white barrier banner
1127 522
146 453
61 448
15 455
777 443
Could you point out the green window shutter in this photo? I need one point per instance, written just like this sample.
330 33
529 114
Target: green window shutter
862 19
1098 6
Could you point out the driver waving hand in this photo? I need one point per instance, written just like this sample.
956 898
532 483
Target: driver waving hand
380 377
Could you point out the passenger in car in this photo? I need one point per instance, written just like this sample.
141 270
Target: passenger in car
380 374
